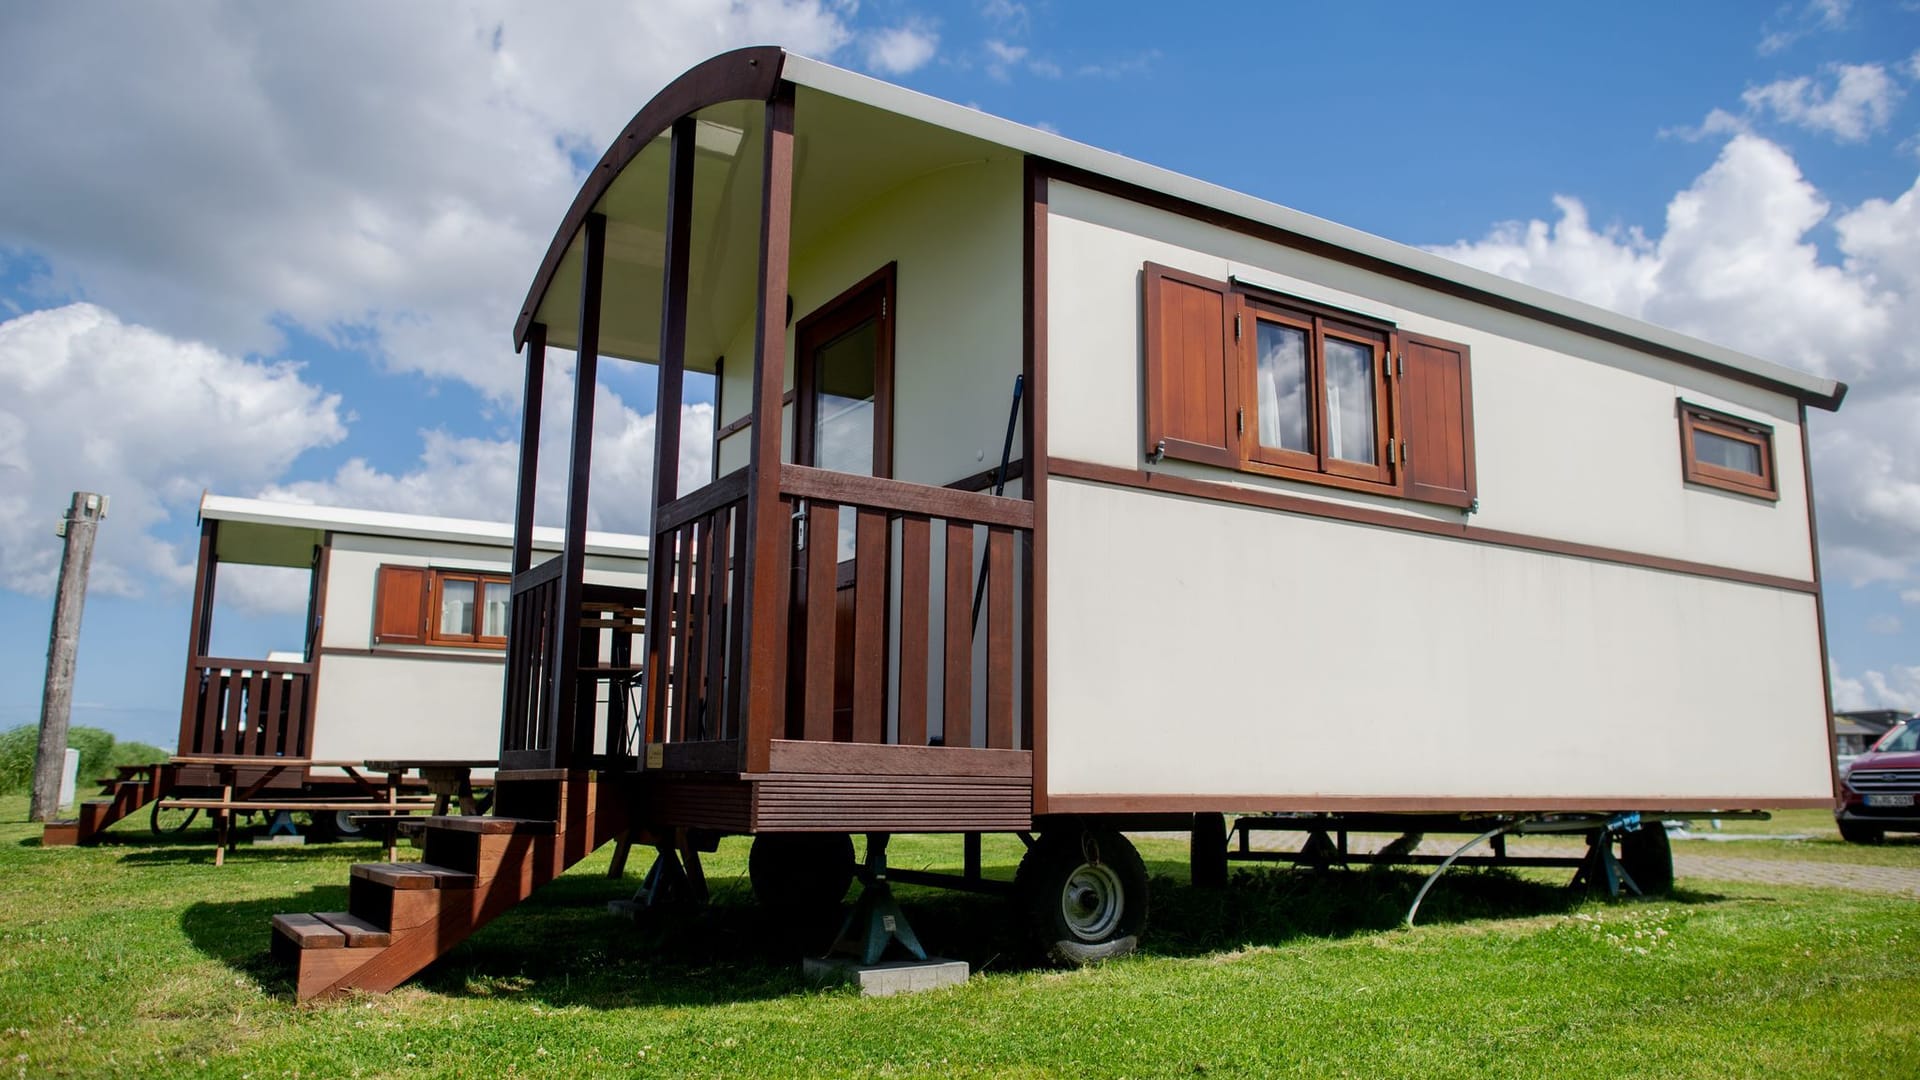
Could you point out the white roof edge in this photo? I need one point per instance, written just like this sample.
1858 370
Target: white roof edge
407 526
840 82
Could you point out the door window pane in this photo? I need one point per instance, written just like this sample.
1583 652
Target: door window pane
844 378
1739 455
1281 378
493 621
1350 405
456 608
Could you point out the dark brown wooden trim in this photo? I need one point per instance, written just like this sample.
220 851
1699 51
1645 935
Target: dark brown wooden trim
1033 454
523 496
1819 600
419 652
877 759
728 489
1738 429
573 552
872 297
200 623
317 628
713 755
663 573
1293 504
750 74
1161 200
436 584
770 531
898 495
1194 804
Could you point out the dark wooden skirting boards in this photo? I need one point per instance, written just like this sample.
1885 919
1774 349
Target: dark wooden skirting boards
1339 804
877 759
1161 200
1033 456
1360 515
1819 598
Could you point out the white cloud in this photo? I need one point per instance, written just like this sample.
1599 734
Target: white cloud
1911 596
462 476
1790 25
1859 103
88 402
901 49
1898 688
1006 13
1002 57
1883 624
384 173
1736 264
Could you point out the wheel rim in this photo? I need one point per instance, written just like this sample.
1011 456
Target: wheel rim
344 825
1091 902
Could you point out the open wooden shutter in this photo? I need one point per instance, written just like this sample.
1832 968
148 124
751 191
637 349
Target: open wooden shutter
1436 398
400 606
1192 393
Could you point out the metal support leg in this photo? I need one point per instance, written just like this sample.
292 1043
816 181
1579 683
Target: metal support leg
876 920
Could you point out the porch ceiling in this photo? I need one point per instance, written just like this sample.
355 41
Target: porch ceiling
847 155
248 544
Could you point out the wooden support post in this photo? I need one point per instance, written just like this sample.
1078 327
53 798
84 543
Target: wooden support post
205 572
765 609
529 448
63 645
567 743
663 563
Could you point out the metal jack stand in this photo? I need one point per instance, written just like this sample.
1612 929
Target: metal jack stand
876 920
675 878
1600 867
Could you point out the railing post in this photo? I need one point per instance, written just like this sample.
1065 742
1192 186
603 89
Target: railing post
529 447
204 573
666 420
765 607
563 719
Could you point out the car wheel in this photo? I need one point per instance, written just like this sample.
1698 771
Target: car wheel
1084 895
1854 833
1647 856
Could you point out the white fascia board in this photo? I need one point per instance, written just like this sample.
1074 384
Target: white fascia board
408 526
840 82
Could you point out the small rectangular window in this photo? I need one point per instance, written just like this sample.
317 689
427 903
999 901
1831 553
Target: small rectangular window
1727 452
468 609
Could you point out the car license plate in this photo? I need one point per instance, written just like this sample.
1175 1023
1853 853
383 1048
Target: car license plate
1889 800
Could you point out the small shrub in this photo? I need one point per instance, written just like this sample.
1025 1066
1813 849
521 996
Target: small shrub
99 754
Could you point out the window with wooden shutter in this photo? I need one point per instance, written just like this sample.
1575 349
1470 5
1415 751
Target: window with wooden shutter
400 605
1436 403
1191 375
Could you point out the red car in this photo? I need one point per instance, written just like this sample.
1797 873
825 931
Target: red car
1879 790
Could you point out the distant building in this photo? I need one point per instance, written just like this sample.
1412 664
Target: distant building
1854 731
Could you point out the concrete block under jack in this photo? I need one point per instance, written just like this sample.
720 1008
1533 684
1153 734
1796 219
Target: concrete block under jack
884 980
279 841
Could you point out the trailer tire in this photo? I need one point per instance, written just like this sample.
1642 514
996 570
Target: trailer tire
800 871
1647 856
1861 834
1084 895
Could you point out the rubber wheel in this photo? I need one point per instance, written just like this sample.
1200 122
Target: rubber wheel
1083 894
170 821
800 871
1647 856
1860 834
327 826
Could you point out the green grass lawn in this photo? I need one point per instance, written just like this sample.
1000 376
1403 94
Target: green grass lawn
138 957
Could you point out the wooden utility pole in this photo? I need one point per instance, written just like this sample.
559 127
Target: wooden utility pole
56 703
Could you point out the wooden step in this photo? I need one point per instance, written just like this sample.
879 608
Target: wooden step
60 834
359 932
412 875
309 932
318 951
491 825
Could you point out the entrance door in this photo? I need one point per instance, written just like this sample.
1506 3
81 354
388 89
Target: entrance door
843 421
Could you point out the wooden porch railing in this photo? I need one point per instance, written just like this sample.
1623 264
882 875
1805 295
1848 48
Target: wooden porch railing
247 708
609 620
883 647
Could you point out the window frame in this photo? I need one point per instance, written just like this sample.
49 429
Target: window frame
436 584
1699 418
1253 305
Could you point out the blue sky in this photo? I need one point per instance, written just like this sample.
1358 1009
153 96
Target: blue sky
279 249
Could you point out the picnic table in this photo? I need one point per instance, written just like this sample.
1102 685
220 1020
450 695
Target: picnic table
234 798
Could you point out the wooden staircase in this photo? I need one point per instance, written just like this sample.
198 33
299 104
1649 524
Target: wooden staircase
401 917
122 795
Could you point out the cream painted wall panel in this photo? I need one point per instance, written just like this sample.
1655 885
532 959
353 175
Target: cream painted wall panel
393 705
1576 438
1258 653
956 236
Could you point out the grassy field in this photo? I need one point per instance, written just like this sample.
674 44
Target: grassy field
140 958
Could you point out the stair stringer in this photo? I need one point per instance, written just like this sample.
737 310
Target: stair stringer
528 862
